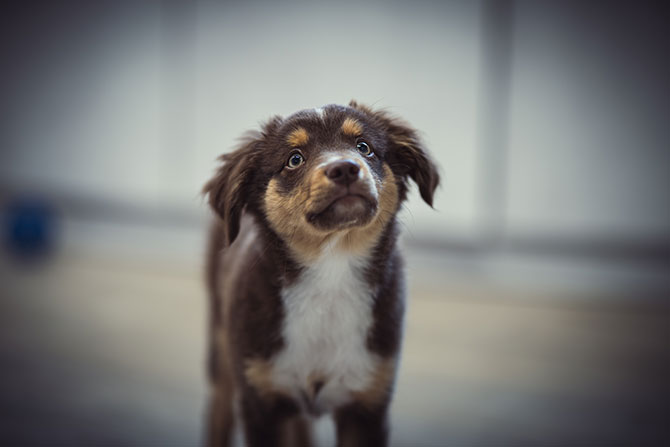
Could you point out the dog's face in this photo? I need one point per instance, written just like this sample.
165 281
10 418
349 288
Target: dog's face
323 172
328 175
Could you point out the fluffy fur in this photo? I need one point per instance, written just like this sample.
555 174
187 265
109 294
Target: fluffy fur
306 283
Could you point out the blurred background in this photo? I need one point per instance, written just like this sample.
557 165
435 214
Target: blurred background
539 311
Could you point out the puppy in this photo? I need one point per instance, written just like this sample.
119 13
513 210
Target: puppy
306 282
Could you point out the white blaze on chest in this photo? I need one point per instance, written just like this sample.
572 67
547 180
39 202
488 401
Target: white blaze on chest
328 313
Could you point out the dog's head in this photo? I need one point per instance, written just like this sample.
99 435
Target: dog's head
321 173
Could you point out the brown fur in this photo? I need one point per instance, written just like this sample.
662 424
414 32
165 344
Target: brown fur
359 239
298 137
258 374
274 223
381 385
351 127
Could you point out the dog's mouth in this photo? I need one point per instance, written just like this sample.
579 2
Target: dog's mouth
344 210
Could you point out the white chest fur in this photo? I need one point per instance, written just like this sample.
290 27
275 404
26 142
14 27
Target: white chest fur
328 313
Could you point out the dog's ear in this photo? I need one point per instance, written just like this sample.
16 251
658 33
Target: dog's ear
407 155
230 189
227 191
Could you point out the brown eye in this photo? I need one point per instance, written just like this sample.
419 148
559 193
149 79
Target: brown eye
295 160
364 148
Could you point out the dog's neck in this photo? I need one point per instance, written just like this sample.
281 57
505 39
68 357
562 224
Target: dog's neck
370 260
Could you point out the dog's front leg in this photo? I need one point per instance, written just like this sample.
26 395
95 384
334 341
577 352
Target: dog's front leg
358 425
262 422
265 419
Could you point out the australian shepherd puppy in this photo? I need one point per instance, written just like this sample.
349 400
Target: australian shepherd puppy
306 283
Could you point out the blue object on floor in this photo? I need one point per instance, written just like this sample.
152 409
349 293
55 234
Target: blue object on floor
29 227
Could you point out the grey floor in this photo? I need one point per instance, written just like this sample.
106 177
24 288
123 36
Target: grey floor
103 349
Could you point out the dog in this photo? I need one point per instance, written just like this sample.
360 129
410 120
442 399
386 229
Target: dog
306 283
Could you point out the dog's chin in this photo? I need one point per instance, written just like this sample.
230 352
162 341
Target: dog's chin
351 210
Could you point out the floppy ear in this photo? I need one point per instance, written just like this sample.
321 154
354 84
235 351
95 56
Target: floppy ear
407 154
227 190
230 189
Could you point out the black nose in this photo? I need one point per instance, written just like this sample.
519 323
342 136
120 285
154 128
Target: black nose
342 172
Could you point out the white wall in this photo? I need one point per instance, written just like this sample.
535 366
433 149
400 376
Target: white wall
133 101
590 101
83 89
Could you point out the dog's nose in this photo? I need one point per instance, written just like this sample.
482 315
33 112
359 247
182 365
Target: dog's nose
343 172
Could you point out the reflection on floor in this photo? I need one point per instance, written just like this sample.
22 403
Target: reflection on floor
109 351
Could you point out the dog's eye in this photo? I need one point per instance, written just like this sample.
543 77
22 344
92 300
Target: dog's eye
295 160
364 148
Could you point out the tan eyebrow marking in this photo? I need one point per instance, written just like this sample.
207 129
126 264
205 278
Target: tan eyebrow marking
298 137
352 127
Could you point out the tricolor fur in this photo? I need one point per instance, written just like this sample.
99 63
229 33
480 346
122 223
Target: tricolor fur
306 283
